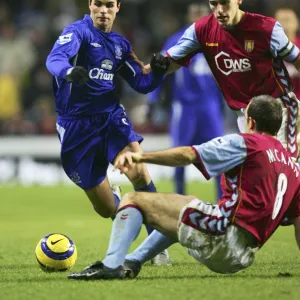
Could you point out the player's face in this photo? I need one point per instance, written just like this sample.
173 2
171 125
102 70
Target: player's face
226 12
103 13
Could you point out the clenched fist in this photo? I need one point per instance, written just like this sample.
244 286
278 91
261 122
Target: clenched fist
124 161
159 64
78 75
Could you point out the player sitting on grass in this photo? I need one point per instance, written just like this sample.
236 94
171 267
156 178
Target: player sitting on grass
261 187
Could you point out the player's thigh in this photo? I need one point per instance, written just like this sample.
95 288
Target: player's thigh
228 253
138 174
82 152
160 210
102 199
90 175
86 165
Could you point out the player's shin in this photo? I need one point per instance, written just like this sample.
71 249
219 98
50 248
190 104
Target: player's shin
155 243
148 188
126 227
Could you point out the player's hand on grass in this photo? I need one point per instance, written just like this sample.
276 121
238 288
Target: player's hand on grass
125 161
78 75
159 64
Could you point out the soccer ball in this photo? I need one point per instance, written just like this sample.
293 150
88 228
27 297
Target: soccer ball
55 252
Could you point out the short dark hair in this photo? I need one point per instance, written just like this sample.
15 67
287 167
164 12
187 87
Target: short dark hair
267 113
118 1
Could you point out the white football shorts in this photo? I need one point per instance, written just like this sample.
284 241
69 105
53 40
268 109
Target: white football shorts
228 253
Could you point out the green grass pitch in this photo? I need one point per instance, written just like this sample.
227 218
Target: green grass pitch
27 214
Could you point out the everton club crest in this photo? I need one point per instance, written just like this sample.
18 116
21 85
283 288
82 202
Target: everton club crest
249 45
118 51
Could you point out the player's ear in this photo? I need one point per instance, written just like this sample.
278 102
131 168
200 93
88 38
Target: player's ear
240 2
118 6
252 123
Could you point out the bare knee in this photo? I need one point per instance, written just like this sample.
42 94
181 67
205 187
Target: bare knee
129 198
141 201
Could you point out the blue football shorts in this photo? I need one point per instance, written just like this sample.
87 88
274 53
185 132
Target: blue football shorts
90 143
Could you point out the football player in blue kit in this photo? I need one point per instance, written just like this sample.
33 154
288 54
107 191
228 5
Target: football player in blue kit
92 125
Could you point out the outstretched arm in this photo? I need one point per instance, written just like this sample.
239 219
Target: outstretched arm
212 158
138 76
181 53
173 67
173 157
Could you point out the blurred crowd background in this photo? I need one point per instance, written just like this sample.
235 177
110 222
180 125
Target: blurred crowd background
29 28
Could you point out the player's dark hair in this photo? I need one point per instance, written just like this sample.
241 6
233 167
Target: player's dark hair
267 113
118 1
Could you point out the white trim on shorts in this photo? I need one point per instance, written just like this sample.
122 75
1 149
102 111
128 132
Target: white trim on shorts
227 253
